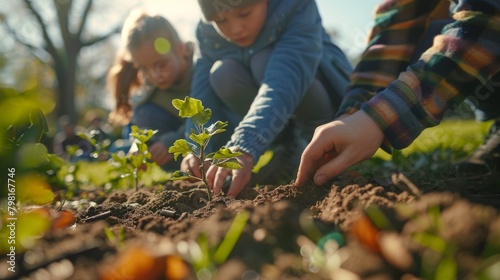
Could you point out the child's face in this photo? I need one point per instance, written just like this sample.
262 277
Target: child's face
242 25
162 70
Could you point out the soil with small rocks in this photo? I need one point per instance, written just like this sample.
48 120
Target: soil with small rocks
350 229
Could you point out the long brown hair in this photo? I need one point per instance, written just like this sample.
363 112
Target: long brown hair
123 76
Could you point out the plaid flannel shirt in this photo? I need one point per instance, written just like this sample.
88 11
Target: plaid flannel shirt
405 99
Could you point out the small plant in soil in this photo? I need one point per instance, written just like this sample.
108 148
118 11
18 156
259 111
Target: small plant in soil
201 135
136 161
116 239
211 256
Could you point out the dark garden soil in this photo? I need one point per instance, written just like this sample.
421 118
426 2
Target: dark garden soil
353 229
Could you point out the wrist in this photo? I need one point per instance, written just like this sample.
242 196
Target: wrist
246 156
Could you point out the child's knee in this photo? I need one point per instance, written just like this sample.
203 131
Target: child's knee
233 84
152 116
223 76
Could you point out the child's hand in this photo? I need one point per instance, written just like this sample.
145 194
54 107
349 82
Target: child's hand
160 154
338 145
191 165
216 176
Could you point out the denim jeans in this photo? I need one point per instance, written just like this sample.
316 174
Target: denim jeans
237 85
153 116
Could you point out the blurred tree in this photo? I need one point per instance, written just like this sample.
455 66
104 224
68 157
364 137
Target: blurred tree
56 32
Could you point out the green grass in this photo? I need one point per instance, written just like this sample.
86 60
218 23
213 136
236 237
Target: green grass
431 157
461 137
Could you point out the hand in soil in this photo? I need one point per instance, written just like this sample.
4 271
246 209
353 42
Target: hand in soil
216 176
191 165
160 154
338 145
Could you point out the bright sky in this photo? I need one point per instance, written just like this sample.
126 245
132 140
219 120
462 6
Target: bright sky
352 19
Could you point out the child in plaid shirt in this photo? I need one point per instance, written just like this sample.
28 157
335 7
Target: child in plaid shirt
392 100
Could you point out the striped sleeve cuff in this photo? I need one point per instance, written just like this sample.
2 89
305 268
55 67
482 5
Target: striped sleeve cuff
396 115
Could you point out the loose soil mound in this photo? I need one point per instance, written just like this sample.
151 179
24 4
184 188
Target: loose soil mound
350 230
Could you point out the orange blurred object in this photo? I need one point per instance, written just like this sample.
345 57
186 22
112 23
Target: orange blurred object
62 219
58 219
176 268
135 263
138 263
366 233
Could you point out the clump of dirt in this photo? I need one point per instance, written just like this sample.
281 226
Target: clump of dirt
284 224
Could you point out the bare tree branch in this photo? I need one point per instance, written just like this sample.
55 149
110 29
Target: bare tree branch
85 16
115 30
33 49
17 38
63 9
50 48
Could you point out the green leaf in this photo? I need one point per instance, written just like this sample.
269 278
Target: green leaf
137 161
428 240
34 189
188 107
202 117
180 175
55 161
216 128
143 135
210 156
379 218
142 148
71 149
38 119
120 160
400 159
229 164
32 155
181 147
110 235
134 129
38 123
447 269
202 260
88 138
224 153
30 227
151 132
232 236
200 138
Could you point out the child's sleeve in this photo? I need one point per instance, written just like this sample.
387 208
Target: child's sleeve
460 64
399 25
289 73
200 85
168 139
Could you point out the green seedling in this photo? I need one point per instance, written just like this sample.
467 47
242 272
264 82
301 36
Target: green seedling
437 248
70 179
135 162
117 239
201 135
211 256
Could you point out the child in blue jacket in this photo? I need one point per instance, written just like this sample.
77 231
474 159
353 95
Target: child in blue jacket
263 63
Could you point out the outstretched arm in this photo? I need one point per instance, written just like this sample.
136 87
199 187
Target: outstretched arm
463 58
338 145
